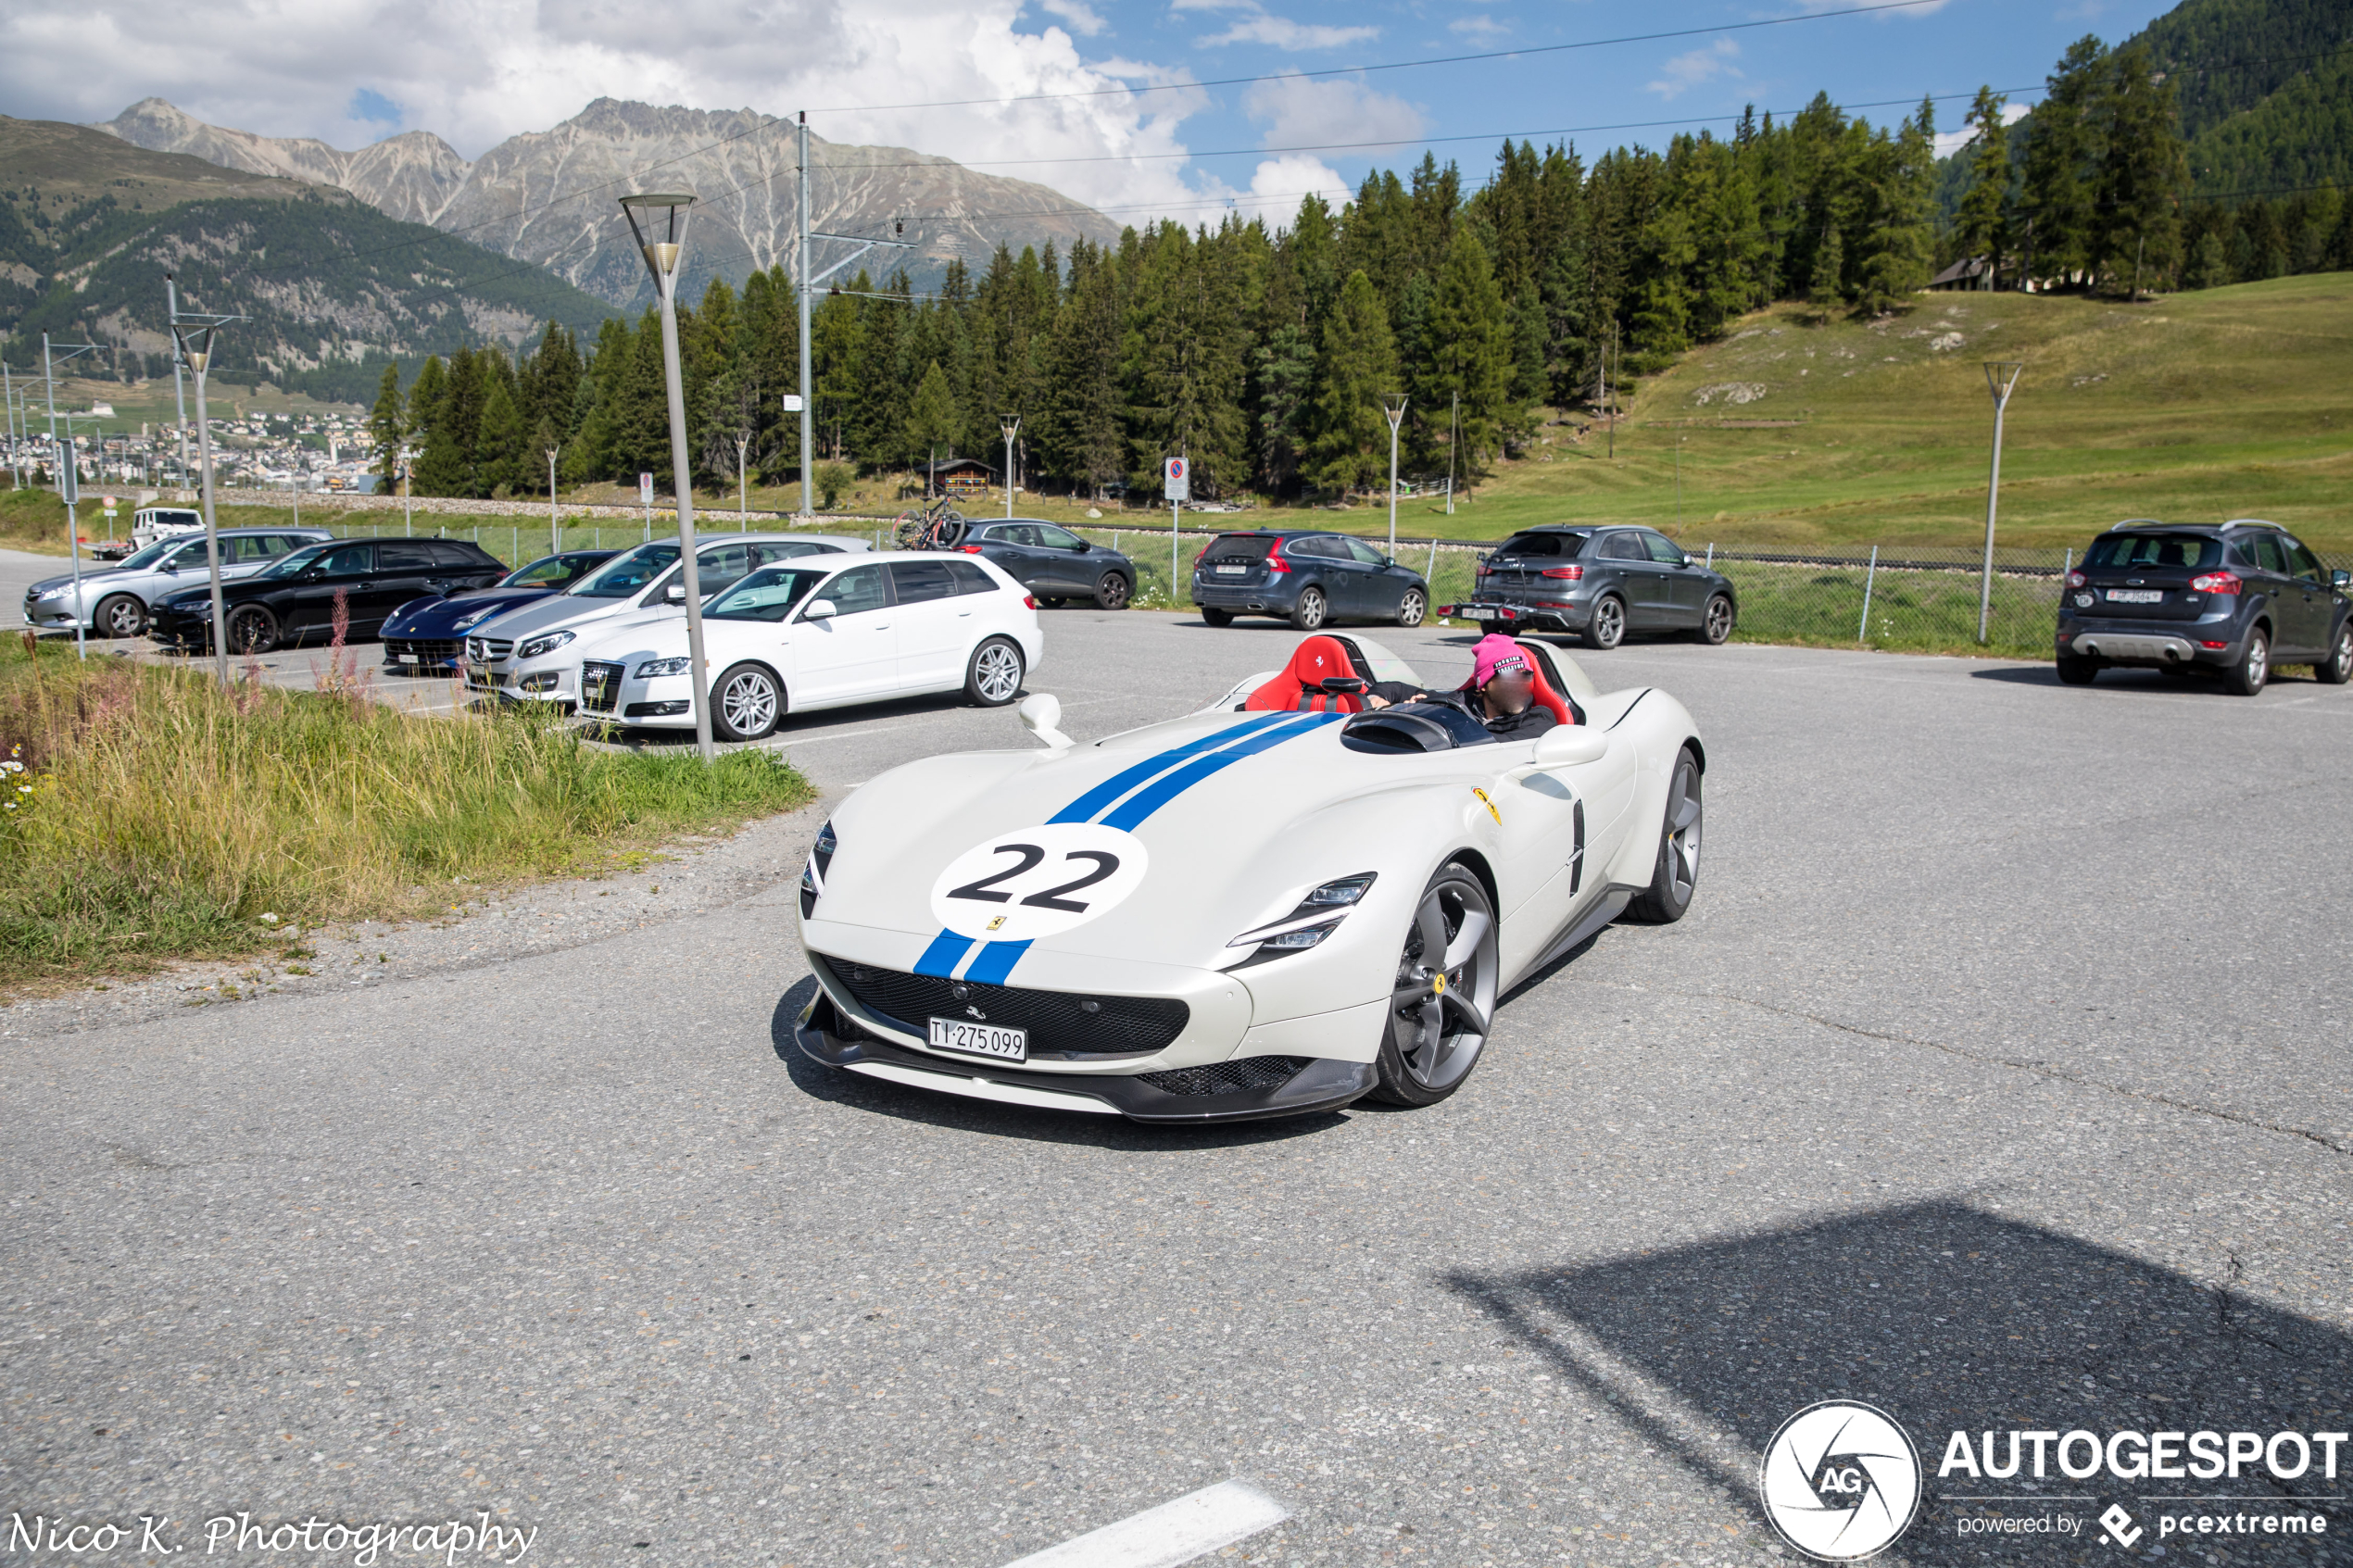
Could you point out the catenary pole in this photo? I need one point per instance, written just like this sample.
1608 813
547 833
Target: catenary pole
1396 413
808 482
179 388
1999 379
554 529
1010 425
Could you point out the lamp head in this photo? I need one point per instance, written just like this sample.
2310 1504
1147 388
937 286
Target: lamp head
2000 376
659 222
1393 404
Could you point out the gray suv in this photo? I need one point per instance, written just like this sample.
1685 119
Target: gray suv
118 599
2231 599
1598 583
1053 562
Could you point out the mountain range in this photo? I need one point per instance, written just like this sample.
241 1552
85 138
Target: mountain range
740 161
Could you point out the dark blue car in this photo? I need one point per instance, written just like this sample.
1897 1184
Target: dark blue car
429 633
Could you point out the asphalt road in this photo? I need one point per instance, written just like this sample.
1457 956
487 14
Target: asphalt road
1997 1078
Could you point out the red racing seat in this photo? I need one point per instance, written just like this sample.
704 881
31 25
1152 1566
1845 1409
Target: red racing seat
1539 661
1299 688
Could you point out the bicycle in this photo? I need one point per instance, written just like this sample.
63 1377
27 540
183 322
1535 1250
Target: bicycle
936 527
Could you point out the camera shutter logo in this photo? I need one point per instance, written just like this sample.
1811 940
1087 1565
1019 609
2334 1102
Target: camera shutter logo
1840 1480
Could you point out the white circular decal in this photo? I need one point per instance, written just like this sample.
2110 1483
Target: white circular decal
1840 1480
1027 883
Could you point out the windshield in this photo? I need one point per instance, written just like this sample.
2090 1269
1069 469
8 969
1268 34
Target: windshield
2185 550
149 556
287 566
624 575
767 595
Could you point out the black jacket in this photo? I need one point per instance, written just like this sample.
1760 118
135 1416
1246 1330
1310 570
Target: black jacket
1525 726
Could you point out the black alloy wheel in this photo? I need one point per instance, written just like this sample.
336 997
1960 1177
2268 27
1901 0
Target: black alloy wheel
1111 591
1606 627
1716 622
1675 874
252 630
1443 998
1308 613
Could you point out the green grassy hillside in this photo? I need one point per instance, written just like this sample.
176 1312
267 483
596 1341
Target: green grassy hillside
2234 402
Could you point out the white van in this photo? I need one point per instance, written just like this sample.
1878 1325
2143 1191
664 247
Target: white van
151 523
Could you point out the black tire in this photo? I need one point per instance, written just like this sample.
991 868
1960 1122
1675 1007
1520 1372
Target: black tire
1440 1014
1715 621
992 678
1309 612
1050 603
747 703
120 615
1674 876
1112 591
1488 628
1412 607
1216 617
2337 668
1606 628
2076 671
252 630
2247 677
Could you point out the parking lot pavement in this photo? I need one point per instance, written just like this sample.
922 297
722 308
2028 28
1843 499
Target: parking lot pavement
1996 1078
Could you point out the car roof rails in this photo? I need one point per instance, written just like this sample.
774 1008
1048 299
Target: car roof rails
2254 523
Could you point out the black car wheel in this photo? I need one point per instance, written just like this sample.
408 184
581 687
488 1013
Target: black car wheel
2337 668
1050 602
1676 873
748 703
1216 617
2076 671
1111 591
993 679
2246 677
1412 607
1309 612
1444 993
1606 627
1716 622
252 630
121 616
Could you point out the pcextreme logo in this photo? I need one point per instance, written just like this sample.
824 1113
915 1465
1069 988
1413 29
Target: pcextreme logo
1840 1480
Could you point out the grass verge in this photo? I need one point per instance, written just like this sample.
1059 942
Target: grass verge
159 817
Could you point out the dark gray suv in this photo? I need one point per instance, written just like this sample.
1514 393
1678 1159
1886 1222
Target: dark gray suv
2231 599
1599 582
1053 562
1307 576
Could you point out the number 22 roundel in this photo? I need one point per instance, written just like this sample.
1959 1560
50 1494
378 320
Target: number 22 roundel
1027 883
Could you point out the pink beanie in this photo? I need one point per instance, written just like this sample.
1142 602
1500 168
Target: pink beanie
1493 652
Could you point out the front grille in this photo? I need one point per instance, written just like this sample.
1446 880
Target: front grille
1060 1022
429 650
1252 1074
600 686
485 650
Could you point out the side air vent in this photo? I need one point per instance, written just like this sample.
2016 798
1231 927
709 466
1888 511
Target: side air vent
1252 1074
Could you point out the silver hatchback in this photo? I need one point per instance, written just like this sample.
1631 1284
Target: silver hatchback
115 600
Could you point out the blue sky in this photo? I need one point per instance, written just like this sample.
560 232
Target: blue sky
1151 130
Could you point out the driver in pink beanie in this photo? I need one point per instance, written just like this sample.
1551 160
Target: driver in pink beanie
1502 692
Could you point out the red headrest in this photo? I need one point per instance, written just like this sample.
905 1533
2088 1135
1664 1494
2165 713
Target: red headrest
1297 688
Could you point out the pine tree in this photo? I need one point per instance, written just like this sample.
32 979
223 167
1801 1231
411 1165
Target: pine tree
1359 369
931 415
1898 239
500 461
2060 154
1980 226
447 465
388 426
1467 352
2136 227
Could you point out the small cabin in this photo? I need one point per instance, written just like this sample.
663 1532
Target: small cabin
960 477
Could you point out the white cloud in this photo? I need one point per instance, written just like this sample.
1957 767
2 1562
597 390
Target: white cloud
1702 65
477 71
1278 184
1082 18
1951 142
1480 28
1304 111
1258 25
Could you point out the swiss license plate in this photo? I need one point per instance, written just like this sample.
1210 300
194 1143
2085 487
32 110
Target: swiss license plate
1230 570
979 1040
407 659
2135 595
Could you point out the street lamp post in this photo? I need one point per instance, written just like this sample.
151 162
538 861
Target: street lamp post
178 389
194 340
667 215
1010 425
2000 377
404 460
1393 406
68 474
8 401
743 492
554 529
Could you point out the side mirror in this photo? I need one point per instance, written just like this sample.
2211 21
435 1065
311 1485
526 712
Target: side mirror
820 610
1687 560
1082 547
674 594
313 573
1567 746
2340 577
1042 715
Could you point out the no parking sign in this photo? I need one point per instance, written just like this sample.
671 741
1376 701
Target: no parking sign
1178 482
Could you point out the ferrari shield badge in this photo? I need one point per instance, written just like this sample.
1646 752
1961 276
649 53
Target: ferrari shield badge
1027 883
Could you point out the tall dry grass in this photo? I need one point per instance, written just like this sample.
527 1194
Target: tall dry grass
159 816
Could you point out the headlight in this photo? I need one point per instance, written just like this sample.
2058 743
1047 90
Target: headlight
538 646
48 593
654 667
467 622
1317 916
812 875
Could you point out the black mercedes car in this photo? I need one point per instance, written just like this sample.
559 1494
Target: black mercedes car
293 601
1052 562
2231 599
1308 577
1599 582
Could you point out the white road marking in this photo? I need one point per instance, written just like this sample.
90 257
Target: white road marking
1194 1526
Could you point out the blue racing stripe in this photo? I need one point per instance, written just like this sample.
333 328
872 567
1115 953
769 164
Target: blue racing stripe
1144 802
995 964
1119 783
940 958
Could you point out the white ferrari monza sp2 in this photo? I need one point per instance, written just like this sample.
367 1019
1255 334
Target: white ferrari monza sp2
1271 907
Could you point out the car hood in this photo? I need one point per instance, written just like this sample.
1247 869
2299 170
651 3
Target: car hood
66 580
555 611
434 616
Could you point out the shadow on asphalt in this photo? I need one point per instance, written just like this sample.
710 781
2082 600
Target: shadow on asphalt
1949 1318
855 1092
651 739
